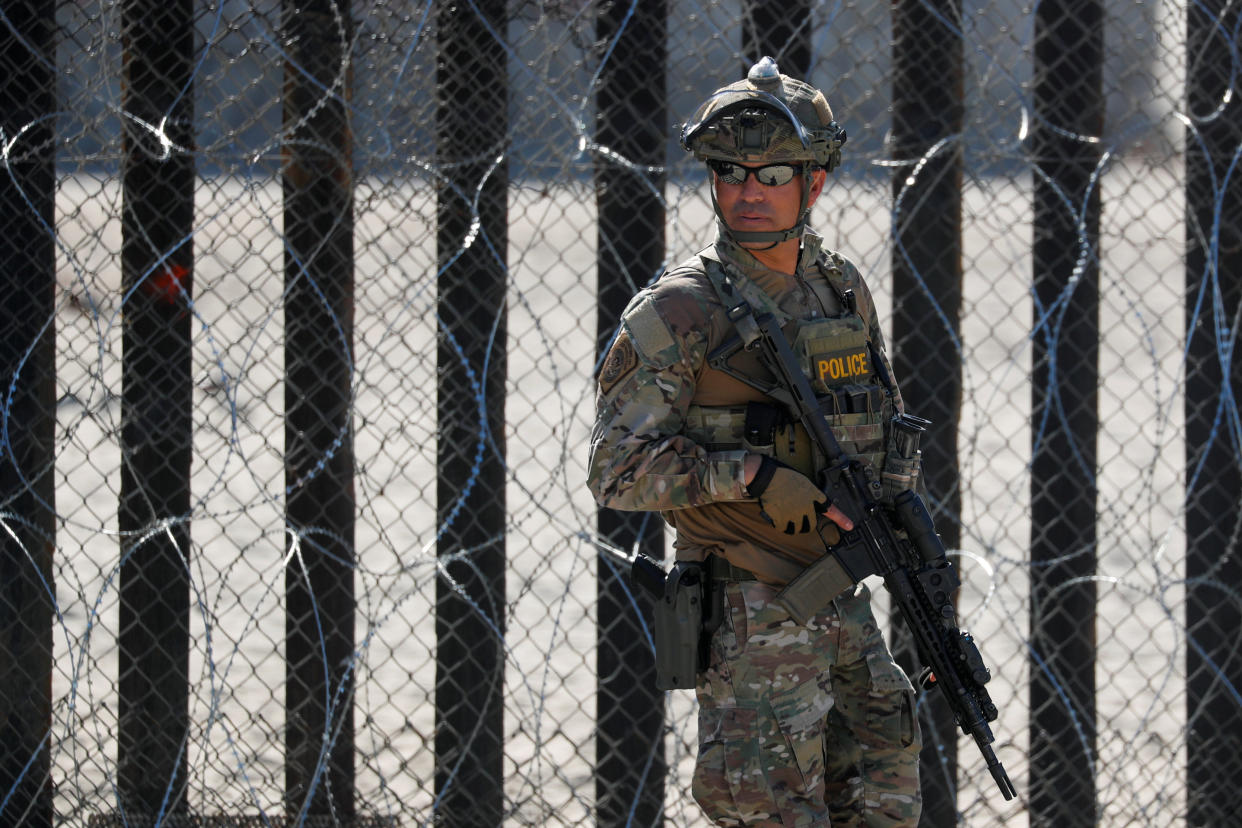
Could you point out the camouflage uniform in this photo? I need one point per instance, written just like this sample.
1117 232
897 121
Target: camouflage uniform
776 696
806 726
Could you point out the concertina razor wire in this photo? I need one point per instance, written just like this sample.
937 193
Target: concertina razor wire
304 309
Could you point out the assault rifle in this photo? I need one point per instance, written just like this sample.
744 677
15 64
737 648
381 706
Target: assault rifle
897 542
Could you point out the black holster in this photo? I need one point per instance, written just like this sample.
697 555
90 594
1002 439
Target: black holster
686 615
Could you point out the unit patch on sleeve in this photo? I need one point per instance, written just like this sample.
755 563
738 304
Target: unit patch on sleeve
619 363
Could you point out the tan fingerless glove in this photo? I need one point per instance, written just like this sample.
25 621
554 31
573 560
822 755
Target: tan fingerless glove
788 499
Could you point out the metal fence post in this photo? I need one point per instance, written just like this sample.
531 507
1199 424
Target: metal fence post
780 30
319 451
156 425
95 224
28 379
472 251
927 290
632 124
1213 380
1068 120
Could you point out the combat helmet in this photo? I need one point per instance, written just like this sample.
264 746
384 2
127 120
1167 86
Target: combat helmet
768 118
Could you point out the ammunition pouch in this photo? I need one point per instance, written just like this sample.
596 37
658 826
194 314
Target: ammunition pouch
903 459
855 414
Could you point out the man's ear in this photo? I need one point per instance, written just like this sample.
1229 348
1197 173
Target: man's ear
818 178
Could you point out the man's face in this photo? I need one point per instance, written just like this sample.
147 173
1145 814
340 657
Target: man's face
754 206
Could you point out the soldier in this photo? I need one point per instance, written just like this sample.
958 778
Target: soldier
798 725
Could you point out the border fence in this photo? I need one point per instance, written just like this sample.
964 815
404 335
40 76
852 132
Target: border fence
302 306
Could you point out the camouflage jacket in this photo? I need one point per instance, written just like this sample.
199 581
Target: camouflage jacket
656 372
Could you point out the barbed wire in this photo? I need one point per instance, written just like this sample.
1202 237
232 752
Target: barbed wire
1151 460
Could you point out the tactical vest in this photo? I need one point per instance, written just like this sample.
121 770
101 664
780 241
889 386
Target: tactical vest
836 355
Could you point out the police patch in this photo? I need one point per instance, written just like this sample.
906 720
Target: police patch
849 366
620 362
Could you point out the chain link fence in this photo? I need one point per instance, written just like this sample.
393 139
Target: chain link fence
303 306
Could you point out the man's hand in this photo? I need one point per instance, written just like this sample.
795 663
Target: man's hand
788 499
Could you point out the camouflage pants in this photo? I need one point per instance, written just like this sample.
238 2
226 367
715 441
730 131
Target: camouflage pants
805 726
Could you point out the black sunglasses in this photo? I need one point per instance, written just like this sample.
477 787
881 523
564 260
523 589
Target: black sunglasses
770 175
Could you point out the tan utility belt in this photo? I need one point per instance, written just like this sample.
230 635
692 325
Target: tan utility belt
720 569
